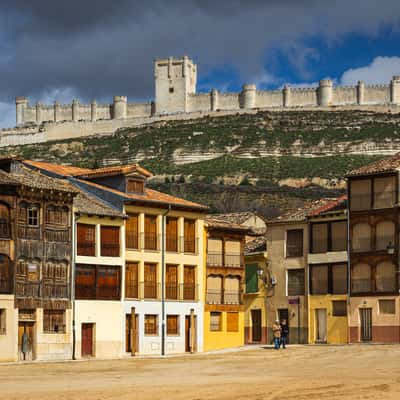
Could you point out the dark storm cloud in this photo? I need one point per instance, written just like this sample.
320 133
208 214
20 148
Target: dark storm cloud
98 48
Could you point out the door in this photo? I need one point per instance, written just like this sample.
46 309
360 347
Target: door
256 326
189 279
283 313
320 318
366 324
131 334
26 340
87 340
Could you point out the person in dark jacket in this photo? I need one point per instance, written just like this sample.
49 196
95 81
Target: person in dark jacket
284 333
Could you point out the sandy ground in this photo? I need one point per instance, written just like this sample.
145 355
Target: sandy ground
309 372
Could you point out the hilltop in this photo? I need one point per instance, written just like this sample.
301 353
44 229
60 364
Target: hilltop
267 160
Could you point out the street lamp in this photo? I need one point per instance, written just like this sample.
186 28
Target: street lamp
390 248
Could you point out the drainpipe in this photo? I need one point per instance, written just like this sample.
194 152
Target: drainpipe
163 280
74 246
348 263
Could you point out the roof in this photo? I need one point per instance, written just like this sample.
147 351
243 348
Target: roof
87 204
218 223
115 170
236 218
257 245
65 170
310 209
386 165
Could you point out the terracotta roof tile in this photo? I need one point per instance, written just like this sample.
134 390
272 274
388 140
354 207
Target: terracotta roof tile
391 164
65 170
257 245
221 224
236 218
115 170
330 205
87 204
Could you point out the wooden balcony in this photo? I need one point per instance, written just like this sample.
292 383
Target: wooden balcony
219 296
99 292
219 259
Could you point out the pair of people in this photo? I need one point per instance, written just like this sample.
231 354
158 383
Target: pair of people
281 332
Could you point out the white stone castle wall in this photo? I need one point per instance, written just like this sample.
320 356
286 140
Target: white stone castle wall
228 101
344 95
199 102
269 98
139 110
377 94
303 97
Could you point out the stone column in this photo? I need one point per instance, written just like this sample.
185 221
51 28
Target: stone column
93 111
325 92
395 90
120 106
214 100
21 103
38 113
249 96
360 92
57 111
286 96
75 110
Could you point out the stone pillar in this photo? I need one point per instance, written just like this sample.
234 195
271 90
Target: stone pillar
21 103
39 117
360 92
75 110
120 106
93 110
325 92
286 96
249 96
214 100
395 90
57 111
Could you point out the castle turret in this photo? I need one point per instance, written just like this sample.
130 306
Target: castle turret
325 92
249 96
21 104
175 81
214 99
360 92
75 110
395 90
286 96
120 106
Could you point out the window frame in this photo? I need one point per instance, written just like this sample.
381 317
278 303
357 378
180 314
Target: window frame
291 270
214 313
289 253
146 324
335 312
47 324
177 324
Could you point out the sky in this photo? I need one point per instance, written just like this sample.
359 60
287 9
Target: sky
95 49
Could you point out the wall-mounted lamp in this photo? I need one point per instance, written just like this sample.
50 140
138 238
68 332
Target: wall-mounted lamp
390 248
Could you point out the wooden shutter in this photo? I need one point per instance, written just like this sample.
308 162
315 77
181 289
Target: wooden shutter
171 282
172 324
251 278
214 252
189 279
294 243
339 278
150 324
233 253
232 322
85 282
319 279
86 240
132 232
110 241
108 283
319 238
215 321
190 236
360 194
150 232
339 236
296 282
131 280
150 281
172 234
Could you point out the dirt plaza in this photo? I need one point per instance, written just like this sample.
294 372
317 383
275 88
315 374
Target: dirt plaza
300 372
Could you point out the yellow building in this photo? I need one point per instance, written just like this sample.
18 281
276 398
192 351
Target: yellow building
327 265
224 309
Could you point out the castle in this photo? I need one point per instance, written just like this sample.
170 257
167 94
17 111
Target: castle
176 98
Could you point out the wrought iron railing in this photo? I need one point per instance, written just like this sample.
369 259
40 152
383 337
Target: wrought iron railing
219 259
110 249
219 296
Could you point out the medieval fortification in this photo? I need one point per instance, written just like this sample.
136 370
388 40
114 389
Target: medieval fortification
176 98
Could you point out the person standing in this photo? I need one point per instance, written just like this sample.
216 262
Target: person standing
284 333
276 328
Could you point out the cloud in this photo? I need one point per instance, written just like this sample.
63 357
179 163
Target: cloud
381 70
101 48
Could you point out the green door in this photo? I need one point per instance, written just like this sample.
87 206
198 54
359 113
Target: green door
251 278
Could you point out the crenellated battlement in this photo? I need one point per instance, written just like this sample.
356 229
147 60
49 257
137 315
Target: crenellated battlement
175 95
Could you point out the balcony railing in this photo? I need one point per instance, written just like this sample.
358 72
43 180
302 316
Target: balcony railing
132 290
132 240
171 243
99 292
28 232
387 285
110 249
28 289
150 241
151 290
55 290
188 291
216 296
189 245
219 259
359 202
57 235
382 242
86 249
171 291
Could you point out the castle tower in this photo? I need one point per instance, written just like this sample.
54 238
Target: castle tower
21 103
175 79
325 92
249 96
395 90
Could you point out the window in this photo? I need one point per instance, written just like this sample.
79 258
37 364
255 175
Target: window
2 321
339 236
132 280
361 238
171 90
150 232
214 289
172 324
190 234
319 238
232 290
319 279
232 322
339 308
4 221
361 279
339 279
57 215
360 194
233 255
215 321
251 278
134 186
5 274
385 234
294 243
171 282
295 282
387 307
86 245
214 252
150 324
109 239
55 278
385 277
171 234
33 270
132 232
54 321
189 282
150 281
384 192
33 216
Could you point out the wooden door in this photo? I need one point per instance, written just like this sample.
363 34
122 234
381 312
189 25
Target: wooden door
189 236
132 280
171 282
150 232
256 332
150 281
131 334
187 333
172 234
26 344
366 324
132 232
87 340
320 325
189 279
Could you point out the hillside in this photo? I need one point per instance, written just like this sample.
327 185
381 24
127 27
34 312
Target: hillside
266 161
